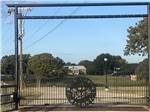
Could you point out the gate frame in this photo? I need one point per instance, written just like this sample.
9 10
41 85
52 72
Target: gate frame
17 16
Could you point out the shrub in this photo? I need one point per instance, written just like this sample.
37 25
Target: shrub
142 70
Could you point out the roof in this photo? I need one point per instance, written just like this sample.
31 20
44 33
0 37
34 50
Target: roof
76 67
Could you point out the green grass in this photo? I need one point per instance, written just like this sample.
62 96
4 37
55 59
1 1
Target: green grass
97 79
115 80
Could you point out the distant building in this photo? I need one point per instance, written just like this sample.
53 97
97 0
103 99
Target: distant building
76 69
133 77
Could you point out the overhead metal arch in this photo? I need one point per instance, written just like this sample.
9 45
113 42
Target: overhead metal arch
85 16
78 4
17 16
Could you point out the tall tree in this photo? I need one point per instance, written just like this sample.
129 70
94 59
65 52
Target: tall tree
137 42
45 65
111 63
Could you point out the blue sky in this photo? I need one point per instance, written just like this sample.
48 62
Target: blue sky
74 40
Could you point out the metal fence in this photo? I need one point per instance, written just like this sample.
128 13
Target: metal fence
121 90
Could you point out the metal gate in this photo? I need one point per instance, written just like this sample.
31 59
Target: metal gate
121 90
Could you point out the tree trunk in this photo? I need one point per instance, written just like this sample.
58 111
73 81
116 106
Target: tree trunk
22 83
38 83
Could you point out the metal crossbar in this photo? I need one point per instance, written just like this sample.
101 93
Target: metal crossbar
78 4
84 16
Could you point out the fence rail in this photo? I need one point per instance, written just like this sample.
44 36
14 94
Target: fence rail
7 97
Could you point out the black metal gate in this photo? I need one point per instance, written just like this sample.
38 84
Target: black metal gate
121 90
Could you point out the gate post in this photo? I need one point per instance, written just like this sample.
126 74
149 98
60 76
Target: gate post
149 53
16 95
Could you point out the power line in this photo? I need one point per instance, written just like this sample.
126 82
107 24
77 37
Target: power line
23 22
43 25
40 26
74 11
52 30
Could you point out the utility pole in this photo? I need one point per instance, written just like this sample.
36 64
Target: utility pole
149 52
21 34
20 38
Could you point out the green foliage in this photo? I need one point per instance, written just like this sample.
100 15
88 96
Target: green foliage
142 70
109 65
8 78
69 64
89 66
45 65
8 64
129 68
26 58
58 74
99 66
137 42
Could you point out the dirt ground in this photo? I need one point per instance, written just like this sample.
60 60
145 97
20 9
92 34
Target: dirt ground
90 108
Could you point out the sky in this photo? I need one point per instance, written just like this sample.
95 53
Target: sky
72 40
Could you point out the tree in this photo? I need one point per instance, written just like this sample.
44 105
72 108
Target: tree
43 65
8 64
26 58
142 70
89 66
110 64
129 68
137 42
70 64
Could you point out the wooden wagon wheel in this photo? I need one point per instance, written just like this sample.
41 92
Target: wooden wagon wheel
81 91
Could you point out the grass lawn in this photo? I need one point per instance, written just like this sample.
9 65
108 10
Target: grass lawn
115 80
97 79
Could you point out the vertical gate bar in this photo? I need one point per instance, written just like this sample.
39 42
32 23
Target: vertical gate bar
149 52
115 88
16 59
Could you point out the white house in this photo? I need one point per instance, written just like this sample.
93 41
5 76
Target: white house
133 77
76 69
